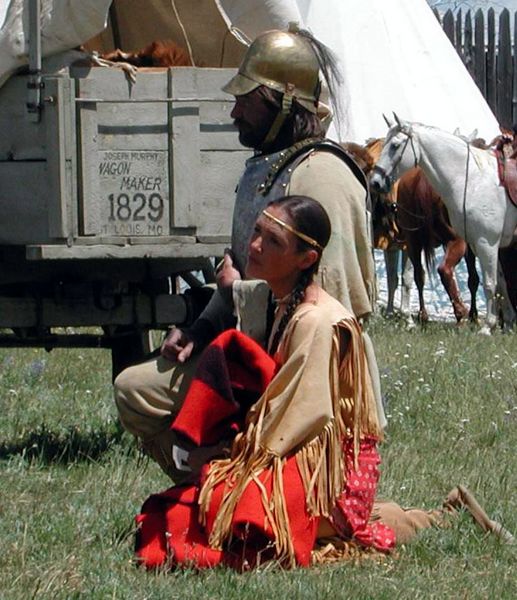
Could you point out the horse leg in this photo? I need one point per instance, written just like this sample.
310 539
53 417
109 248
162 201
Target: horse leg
508 261
415 255
503 300
407 283
391 258
487 256
473 283
454 251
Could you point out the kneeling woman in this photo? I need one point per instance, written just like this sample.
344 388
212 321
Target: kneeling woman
301 420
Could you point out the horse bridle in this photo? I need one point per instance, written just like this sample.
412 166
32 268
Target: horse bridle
384 172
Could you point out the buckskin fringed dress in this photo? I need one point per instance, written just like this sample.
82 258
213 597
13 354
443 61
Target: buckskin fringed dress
306 449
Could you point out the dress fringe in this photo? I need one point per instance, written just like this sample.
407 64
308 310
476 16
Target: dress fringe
333 550
320 462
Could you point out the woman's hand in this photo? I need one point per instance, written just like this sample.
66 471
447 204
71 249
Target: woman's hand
177 346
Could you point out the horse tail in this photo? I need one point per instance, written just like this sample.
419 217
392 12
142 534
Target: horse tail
430 258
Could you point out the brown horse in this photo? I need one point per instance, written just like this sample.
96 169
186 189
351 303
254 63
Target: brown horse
424 223
414 217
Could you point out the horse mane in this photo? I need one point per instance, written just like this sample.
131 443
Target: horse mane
361 155
374 147
478 143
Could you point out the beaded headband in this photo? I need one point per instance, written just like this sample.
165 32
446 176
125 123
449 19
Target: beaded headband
312 242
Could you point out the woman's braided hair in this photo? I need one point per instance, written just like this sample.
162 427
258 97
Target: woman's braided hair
309 217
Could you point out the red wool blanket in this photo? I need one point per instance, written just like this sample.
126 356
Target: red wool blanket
232 374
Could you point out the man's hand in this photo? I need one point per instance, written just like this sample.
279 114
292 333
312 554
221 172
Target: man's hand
225 277
177 346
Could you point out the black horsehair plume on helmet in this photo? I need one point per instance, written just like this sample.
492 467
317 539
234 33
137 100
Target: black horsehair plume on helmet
329 67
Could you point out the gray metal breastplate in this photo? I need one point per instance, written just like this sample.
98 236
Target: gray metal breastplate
251 200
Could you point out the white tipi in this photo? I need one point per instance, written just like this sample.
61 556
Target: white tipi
394 57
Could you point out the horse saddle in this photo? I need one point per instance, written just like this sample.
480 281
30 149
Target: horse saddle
507 169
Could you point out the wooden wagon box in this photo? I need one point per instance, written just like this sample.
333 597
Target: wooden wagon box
117 193
119 170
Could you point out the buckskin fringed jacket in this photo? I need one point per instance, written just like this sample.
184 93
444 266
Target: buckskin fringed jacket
305 449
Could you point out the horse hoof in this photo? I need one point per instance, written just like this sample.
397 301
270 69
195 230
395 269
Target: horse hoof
485 330
461 312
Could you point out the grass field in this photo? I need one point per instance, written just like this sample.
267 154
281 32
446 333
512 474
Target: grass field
71 481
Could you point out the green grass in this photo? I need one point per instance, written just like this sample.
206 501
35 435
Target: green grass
71 480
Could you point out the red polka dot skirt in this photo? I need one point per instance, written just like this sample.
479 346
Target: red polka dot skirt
351 515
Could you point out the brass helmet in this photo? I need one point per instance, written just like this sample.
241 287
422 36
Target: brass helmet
282 61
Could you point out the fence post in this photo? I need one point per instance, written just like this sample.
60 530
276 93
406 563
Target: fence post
514 95
504 72
491 80
479 51
459 36
468 51
448 25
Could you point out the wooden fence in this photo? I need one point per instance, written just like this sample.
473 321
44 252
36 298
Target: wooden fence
489 55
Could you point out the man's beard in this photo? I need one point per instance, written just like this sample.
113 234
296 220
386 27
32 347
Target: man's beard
250 138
